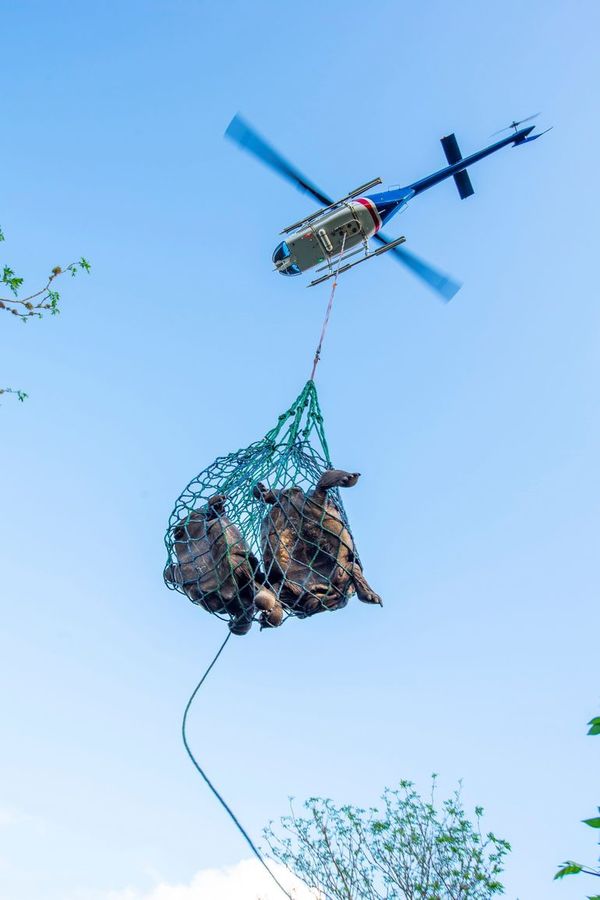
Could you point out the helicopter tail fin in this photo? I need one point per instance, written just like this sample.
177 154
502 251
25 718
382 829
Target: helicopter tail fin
453 155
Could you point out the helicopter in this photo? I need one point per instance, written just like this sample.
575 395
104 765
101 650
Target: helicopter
341 229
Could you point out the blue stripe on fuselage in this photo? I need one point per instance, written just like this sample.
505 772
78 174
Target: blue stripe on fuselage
388 203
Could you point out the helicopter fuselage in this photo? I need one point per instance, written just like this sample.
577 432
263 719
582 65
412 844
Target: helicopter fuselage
348 225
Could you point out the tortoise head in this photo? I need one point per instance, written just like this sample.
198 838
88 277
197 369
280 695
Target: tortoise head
216 505
190 527
332 478
261 492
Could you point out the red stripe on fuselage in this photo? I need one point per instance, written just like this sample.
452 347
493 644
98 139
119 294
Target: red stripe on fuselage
373 210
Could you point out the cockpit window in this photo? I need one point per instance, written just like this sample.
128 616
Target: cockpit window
280 254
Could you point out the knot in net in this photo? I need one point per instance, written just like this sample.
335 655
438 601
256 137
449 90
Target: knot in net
261 534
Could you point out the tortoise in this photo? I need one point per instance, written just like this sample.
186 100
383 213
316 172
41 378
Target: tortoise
217 570
308 552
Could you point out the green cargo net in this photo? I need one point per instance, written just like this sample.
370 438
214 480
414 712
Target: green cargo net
261 534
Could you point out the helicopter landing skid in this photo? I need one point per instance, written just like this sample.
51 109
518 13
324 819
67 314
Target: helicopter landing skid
345 268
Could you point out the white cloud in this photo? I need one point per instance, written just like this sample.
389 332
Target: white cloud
247 880
9 817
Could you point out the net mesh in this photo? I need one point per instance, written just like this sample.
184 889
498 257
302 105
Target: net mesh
261 534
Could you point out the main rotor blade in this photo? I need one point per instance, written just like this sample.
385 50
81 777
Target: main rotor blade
240 132
442 284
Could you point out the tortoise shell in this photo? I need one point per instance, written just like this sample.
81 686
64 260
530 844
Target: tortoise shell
216 569
308 552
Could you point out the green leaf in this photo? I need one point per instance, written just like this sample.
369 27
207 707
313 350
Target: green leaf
594 725
9 278
593 823
53 297
569 868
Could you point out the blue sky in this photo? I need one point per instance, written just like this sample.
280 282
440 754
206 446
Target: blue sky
475 427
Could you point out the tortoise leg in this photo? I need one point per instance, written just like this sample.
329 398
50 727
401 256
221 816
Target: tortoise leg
290 594
212 603
241 619
311 604
241 624
264 598
273 617
172 575
272 610
363 590
321 598
327 603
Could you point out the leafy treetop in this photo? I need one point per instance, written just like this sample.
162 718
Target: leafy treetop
409 849
569 867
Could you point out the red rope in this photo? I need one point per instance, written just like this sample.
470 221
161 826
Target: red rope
328 313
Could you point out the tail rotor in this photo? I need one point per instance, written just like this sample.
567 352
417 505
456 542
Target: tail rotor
515 125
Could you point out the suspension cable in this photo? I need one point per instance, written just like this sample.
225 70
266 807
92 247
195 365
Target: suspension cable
225 806
328 313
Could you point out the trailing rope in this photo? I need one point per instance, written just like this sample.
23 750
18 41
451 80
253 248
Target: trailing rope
328 313
225 806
